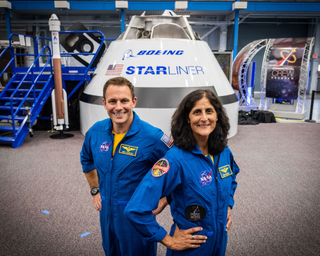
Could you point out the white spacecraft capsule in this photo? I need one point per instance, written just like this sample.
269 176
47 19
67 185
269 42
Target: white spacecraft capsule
165 60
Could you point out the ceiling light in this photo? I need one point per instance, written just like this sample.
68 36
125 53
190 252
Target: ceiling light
62 4
5 4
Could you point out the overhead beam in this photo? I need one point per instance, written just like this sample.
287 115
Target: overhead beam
209 32
170 5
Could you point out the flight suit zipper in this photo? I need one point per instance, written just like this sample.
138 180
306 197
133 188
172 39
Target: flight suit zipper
112 170
110 178
215 168
217 185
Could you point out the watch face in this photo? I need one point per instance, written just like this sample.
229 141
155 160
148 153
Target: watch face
94 191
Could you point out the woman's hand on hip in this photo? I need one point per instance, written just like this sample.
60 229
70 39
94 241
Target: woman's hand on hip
228 226
184 239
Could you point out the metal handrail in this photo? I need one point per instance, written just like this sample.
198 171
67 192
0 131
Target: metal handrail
81 53
35 64
35 46
32 87
41 37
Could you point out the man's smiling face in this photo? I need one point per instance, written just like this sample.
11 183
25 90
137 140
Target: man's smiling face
119 104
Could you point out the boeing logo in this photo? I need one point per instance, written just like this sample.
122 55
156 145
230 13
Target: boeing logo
159 52
129 53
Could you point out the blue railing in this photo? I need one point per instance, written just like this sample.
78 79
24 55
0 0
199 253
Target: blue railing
35 48
82 53
32 87
35 67
87 69
38 43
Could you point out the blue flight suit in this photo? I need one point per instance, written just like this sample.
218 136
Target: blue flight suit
119 176
189 180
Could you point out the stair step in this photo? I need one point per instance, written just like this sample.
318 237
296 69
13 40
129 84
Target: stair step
29 82
17 118
17 98
9 108
8 128
22 90
6 139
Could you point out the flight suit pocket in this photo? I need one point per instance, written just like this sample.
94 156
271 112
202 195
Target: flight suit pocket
102 162
198 193
225 187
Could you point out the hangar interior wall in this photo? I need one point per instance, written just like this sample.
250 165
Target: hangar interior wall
247 34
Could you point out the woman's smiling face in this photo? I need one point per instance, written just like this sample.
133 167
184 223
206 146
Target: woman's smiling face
203 119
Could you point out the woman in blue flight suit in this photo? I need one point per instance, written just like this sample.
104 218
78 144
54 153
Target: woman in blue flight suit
198 177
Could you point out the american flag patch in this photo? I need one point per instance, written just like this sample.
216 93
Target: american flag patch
167 140
114 70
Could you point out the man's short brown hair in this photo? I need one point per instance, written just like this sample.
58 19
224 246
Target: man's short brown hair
118 81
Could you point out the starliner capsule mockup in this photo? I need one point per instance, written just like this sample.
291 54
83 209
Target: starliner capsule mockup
165 60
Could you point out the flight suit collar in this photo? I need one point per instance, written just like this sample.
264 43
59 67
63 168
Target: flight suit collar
196 150
134 128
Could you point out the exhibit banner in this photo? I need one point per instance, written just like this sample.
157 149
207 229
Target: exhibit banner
284 66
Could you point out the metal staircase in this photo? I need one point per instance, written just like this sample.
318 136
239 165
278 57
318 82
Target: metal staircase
23 98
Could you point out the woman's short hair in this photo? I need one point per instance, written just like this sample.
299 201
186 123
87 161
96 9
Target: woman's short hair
119 81
181 131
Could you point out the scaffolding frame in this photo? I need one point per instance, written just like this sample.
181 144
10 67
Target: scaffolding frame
303 80
264 103
243 87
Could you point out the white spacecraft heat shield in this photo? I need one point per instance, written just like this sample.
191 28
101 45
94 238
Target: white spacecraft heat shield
163 71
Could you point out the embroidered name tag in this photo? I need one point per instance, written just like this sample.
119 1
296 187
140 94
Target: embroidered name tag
128 150
225 171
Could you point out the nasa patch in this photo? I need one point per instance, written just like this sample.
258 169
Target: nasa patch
104 147
160 168
206 178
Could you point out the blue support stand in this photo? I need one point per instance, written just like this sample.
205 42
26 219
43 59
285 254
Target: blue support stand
8 22
235 35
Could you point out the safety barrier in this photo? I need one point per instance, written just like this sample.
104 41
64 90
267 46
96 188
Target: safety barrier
311 107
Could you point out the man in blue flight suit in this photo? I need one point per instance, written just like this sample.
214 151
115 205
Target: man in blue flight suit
117 153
